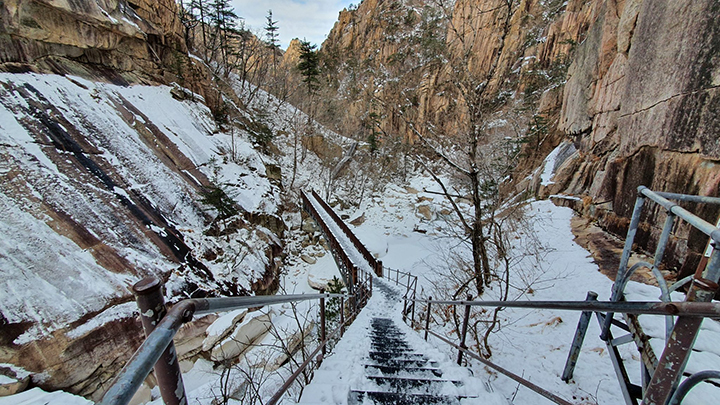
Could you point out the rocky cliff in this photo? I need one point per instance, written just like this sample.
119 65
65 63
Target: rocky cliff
134 37
631 84
103 171
641 106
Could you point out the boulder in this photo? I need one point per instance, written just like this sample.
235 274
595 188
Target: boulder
245 335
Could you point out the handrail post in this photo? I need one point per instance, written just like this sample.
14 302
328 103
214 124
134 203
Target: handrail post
342 316
578 340
150 301
427 319
322 321
463 334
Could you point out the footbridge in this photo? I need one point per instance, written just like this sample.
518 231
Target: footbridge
397 367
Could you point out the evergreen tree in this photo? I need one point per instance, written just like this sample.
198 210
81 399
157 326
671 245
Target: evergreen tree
224 23
272 37
309 66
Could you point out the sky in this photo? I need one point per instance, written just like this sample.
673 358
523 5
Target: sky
303 19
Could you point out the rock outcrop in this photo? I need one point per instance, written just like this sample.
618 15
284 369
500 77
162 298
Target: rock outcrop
641 104
136 37
638 100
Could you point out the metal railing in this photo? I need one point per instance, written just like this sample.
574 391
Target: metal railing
375 264
660 377
161 325
407 280
659 385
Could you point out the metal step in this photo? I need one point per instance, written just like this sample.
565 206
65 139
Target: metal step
396 398
420 371
405 383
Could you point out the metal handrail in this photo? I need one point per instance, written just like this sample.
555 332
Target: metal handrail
374 263
685 308
147 355
690 383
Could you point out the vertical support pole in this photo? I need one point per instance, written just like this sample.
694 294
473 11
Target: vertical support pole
397 277
404 310
678 348
463 334
149 298
427 318
578 340
322 321
627 250
414 297
342 316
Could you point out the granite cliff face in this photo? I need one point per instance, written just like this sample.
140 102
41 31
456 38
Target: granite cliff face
103 165
638 99
641 105
134 37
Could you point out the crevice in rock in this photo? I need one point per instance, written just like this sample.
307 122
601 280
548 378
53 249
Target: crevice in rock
642 110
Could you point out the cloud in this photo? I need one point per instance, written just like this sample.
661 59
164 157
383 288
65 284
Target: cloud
310 19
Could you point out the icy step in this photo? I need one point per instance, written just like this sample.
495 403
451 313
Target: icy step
403 371
428 385
319 393
403 363
395 398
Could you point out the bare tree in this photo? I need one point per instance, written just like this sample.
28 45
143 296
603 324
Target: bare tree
466 153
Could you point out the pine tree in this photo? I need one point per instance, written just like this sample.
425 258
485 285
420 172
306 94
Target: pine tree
309 66
272 37
223 22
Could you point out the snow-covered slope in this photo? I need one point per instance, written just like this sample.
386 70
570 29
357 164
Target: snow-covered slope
99 186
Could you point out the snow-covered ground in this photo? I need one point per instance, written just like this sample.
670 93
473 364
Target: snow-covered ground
407 228
343 370
533 344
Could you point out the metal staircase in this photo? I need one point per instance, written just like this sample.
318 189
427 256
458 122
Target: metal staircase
399 374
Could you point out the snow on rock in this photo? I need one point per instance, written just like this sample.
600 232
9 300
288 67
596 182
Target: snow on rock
554 160
221 327
99 187
36 396
245 334
320 273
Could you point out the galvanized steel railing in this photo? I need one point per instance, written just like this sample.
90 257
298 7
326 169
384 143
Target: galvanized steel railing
160 325
158 351
659 385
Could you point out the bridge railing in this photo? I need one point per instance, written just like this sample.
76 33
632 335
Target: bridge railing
374 263
347 268
161 325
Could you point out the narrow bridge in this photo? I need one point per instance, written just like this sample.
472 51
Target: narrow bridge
396 365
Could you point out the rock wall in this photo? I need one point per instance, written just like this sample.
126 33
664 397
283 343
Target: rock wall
639 100
641 104
135 36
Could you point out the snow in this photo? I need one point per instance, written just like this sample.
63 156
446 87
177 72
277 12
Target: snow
121 311
353 254
549 167
342 369
71 284
149 145
36 396
533 344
